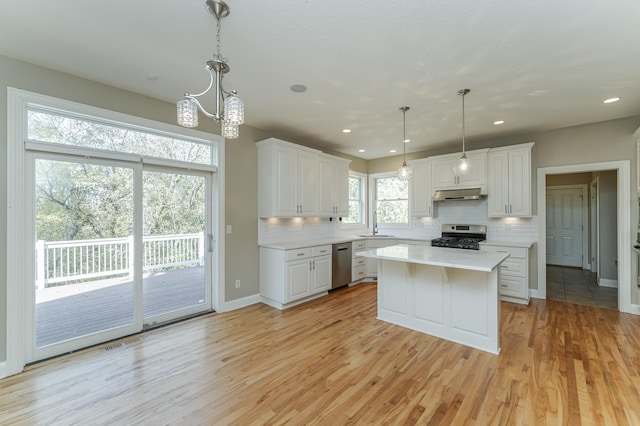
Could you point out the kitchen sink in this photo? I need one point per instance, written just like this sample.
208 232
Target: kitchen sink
376 236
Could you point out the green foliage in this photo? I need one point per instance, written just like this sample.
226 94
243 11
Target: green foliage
77 200
392 200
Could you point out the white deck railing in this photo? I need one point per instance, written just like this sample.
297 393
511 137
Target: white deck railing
61 261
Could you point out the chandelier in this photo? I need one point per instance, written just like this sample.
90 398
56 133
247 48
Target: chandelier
229 109
404 172
463 166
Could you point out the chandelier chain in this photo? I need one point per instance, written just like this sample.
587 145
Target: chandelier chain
218 56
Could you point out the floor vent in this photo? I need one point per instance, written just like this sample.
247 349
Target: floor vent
118 345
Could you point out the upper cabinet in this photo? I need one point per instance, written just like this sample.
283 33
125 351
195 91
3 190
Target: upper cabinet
443 176
509 180
287 178
296 181
333 185
421 188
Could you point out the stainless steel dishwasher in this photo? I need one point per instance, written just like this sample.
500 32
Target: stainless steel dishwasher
341 265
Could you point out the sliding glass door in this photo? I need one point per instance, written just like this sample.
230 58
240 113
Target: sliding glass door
85 275
176 244
97 278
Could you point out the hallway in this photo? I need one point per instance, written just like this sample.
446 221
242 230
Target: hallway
579 286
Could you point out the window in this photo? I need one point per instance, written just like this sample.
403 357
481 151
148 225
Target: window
356 199
63 128
390 199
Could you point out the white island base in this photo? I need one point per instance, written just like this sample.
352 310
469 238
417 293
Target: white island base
451 302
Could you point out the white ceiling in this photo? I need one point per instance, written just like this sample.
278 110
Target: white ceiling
537 65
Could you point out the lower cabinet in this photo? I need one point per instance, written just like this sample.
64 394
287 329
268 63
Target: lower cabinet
514 273
372 264
290 277
358 263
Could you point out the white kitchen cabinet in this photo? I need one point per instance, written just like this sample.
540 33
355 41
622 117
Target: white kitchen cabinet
290 277
372 264
509 181
287 179
333 186
443 176
421 188
513 280
358 263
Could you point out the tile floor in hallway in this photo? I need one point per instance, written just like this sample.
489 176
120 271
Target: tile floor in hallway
579 286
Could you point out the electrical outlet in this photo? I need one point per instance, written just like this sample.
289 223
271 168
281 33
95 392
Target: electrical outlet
229 229
507 227
237 283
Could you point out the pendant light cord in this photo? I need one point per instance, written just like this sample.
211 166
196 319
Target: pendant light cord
404 136
463 150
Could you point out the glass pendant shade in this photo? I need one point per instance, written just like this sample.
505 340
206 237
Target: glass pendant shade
228 130
233 109
463 166
405 172
187 113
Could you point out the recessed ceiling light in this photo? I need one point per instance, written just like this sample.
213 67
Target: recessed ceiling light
361 150
298 88
346 130
393 150
152 76
498 122
611 100
407 140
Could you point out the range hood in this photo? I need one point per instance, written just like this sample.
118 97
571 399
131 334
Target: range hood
458 194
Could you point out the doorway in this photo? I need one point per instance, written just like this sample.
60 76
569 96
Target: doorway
623 231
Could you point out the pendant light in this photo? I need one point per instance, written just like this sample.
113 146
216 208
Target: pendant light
463 166
405 172
230 108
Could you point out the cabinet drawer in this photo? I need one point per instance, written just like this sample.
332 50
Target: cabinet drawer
514 251
514 266
320 250
358 261
359 245
513 286
358 273
298 253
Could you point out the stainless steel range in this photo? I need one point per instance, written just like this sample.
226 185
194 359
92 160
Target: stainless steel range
461 236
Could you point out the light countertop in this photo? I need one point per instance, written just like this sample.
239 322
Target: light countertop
293 245
438 256
523 244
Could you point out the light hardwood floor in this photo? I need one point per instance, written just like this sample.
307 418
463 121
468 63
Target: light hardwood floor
331 362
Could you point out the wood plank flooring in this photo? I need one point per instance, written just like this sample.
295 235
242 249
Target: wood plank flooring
330 362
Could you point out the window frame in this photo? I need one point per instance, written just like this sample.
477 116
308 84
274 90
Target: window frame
373 200
362 223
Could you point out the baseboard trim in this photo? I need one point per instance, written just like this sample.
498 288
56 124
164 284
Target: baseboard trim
603 282
240 303
533 294
3 369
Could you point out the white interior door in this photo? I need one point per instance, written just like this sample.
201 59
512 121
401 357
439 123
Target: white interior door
564 227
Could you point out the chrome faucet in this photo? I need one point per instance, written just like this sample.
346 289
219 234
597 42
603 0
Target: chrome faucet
374 229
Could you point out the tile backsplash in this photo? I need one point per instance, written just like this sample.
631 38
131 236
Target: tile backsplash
462 212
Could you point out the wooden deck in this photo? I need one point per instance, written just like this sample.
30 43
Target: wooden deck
66 312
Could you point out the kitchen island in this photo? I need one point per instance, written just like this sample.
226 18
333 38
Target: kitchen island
445 292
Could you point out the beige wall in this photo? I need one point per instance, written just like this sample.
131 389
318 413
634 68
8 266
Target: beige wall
569 179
